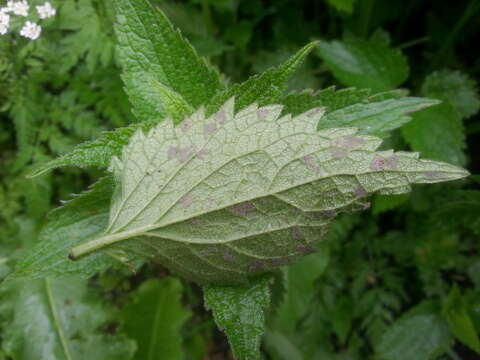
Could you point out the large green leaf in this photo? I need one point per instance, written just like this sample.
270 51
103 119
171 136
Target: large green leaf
161 70
419 335
154 318
365 64
240 312
60 320
77 220
437 133
220 198
266 88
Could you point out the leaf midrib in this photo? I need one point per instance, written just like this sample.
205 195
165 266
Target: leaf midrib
56 319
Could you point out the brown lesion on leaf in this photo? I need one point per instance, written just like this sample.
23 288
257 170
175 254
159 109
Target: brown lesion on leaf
297 233
381 163
221 117
186 201
306 248
186 125
311 162
263 113
433 175
202 154
360 192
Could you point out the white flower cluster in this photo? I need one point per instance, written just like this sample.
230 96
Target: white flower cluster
30 29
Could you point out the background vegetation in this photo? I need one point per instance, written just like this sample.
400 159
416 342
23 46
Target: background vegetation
400 281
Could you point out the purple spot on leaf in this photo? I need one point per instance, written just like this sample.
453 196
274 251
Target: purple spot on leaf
256 265
243 209
202 154
279 261
221 117
186 125
209 129
181 154
329 213
306 248
186 201
314 112
338 153
360 192
263 113
378 163
392 162
228 257
297 233
311 162
172 152
349 142
433 175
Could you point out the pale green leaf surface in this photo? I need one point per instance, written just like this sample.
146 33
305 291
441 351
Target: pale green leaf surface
365 64
266 88
161 70
240 312
59 320
437 133
456 88
221 198
154 318
74 222
416 336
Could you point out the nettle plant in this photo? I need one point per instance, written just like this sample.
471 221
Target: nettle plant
223 184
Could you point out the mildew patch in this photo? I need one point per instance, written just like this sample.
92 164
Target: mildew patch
221 117
243 209
256 265
313 112
297 233
329 213
433 175
186 201
305 248
186 125
349 142
338 153
380 163
311 162
263 113
209 129
202 154
181 154
360 192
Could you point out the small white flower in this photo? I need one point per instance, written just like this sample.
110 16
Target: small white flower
4 18
46 10
31 30
19 8
3 29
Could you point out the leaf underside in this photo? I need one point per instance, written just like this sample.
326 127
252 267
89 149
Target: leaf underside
220 198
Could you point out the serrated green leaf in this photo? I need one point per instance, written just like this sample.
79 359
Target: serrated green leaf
420 335
60 320
221 198
456 313
266 88
154 318
71 224
376 118
365 64
240 312
437 133
456 88
97 152
162 73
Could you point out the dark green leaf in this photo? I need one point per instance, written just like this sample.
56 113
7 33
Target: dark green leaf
365 64
240 312
154 318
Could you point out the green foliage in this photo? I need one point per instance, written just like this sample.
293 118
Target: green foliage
240 312
402 283
365 64
154 318
60 319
